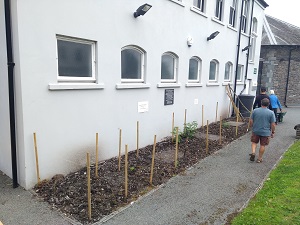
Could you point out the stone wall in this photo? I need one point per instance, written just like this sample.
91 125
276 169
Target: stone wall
281 65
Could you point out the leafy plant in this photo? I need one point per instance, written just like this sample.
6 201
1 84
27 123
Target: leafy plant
189 131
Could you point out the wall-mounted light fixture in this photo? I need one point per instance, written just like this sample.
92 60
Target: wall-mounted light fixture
246 48
189 41
142 10
213 35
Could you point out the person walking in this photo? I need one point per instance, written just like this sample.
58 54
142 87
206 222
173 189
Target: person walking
261 96
275 104
262 122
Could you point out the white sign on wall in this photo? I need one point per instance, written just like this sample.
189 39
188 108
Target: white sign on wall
143 107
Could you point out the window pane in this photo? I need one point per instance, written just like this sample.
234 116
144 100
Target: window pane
193 69
239 72
212 71
167 67
227 71
131 64
74 59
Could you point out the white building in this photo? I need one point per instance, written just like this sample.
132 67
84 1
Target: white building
82 67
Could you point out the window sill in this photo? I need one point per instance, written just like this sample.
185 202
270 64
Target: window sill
217 21
232 28
75 86
198 11
212 84
164 85
132 86
178 2
239 83
226 83
193 85
244 34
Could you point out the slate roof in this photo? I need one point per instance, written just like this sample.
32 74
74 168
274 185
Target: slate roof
278 32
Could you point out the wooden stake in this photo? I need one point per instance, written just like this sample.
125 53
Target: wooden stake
36 159
176 148
249 121
97 156
207 137
137 138
126 171
120 144
220 130
89 184
153 157
217 111
173 127
237 120
185 119
202 116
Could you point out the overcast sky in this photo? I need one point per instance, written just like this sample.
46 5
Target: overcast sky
285 10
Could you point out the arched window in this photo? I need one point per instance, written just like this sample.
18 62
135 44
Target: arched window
253 40
194 69
132 64
213 70
169 62
228 72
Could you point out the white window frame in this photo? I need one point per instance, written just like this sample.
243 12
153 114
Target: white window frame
229 73
253 40
245 16
216 73
198 71
93 63
200 5
175 68
142 53
240 73
219 10
232 13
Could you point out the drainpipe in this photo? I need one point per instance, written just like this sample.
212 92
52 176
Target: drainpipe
249 42
288 76
10 66
237 55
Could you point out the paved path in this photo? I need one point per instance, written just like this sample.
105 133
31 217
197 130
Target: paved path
208 193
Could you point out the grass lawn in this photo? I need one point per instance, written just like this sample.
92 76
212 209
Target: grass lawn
278 202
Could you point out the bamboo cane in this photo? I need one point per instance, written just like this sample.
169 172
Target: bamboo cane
237 120
249 120
202 116
173 127
176 148
185 119
220 130
97 156
120 144
153 157
126 171
217 111
89 185
36 159
137 138
207 137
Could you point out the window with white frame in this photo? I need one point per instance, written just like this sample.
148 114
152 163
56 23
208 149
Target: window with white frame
245 16
132 64
240 72
228 72
213 71
75 59
200 4
194 69
219 10
253 40
232 13
169 63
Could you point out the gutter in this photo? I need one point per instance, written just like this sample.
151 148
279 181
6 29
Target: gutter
11 90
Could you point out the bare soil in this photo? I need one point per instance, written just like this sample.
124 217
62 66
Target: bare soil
68 194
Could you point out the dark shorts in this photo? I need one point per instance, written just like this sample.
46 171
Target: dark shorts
262 139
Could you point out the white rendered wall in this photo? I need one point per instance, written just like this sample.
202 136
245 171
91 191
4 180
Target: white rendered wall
66 121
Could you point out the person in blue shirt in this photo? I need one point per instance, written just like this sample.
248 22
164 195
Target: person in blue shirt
262 122
275 104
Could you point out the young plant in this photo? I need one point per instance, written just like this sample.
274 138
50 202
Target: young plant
189 131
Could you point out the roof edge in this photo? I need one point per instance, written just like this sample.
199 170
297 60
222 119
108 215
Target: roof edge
263 3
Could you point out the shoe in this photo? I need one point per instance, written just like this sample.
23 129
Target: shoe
252 157
259 160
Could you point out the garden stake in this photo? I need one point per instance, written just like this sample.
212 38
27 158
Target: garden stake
249 121
97 154
126 171
173 127
237 120
202 115
220 130
207 137
36 159
217 112
176 148
137 138
120 143
153 156
89 184
184 120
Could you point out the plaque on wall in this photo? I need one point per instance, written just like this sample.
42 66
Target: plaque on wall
169 97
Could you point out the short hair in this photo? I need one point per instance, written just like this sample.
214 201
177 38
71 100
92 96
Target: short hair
265 102
263 89
272 92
